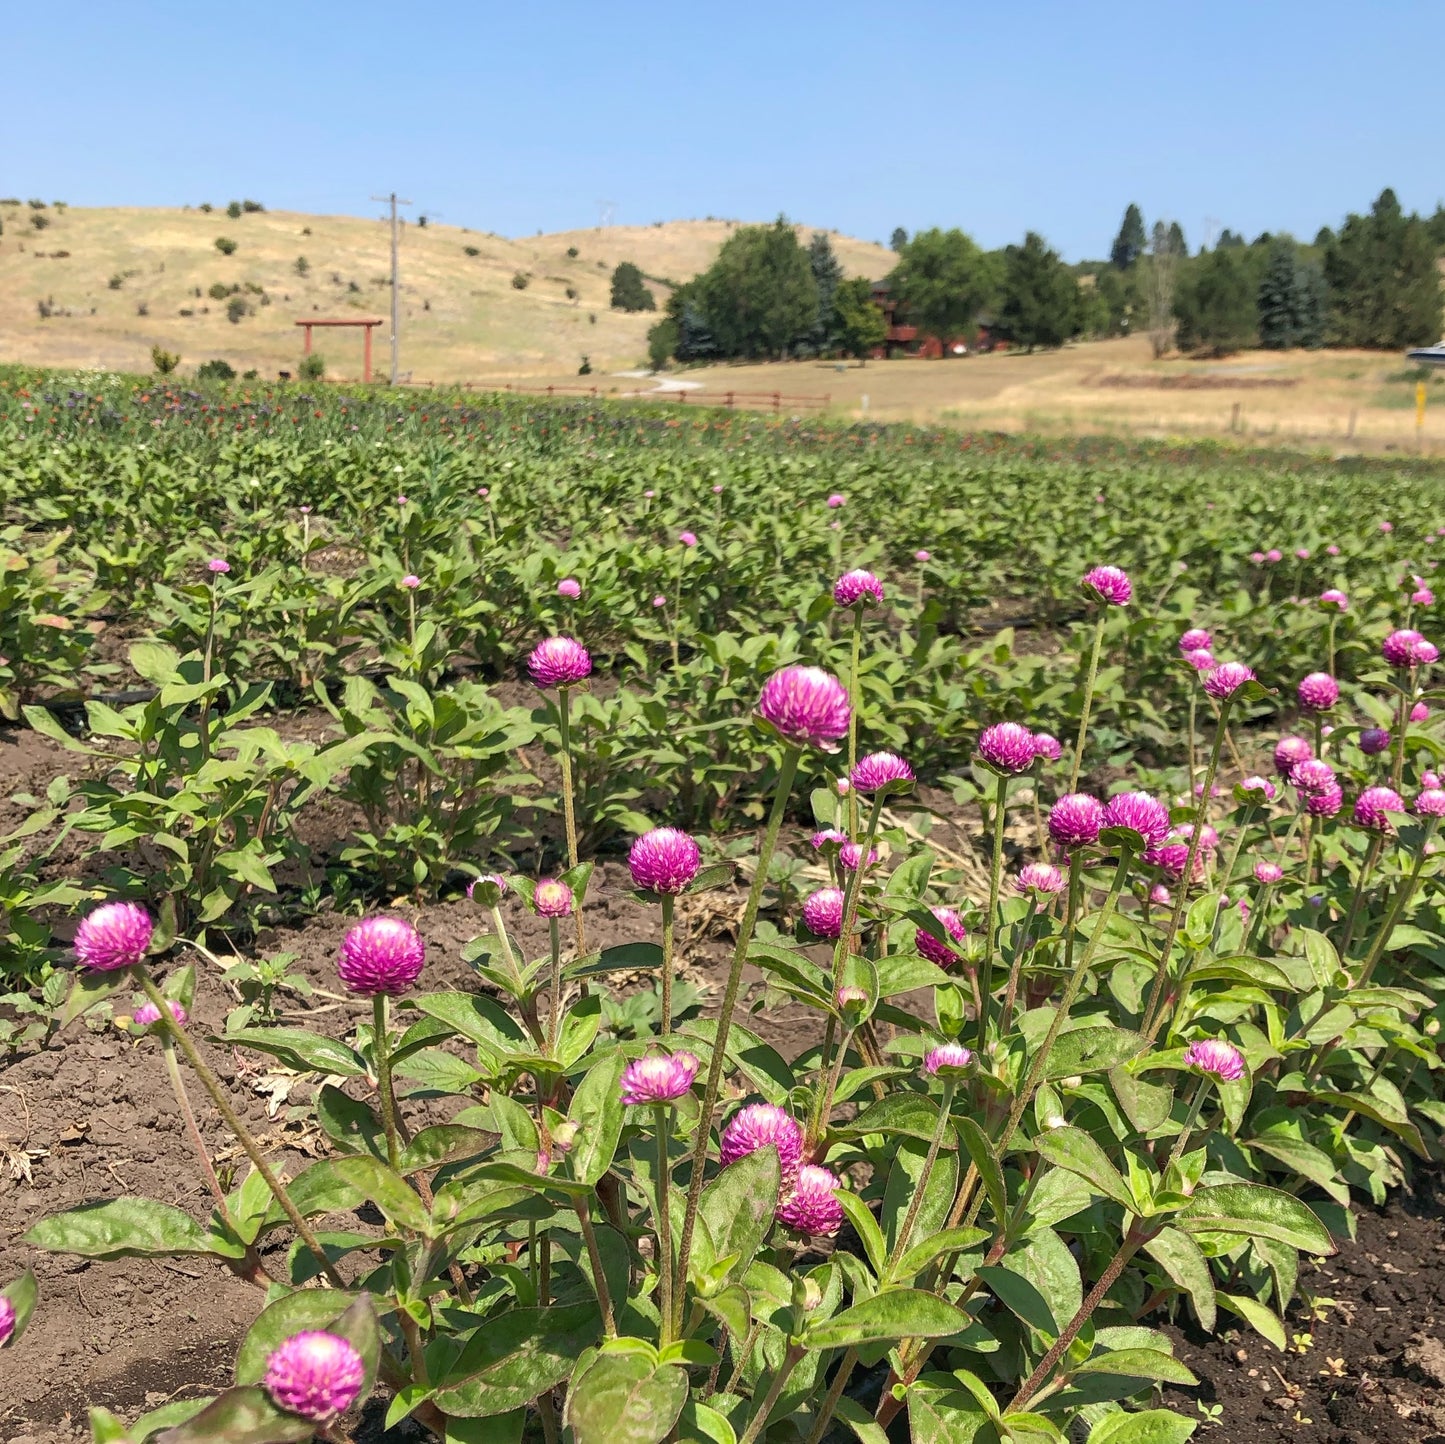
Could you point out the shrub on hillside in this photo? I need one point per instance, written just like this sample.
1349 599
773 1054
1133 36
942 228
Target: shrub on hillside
234 210
571 253
207 207
628 292
312 367
39 221
225 245
251 206
236 308
164 361
218 291
471 250
215 370
301 265
520 281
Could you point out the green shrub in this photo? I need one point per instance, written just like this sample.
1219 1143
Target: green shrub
234 210
218 291
215 370
312 367
520 281
164 361
237 308
301 265
225 245
472 250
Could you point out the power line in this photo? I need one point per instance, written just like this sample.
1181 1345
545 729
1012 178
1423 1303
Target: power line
395 201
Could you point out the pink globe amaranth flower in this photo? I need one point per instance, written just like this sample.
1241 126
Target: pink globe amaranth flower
851 1001
828 837
484 491
812 1206
1195 639
147 1014
1256 557
1373 808
1429 780
1374 740
559 662
1261 784
1171 858
411 581
844 787
1333 550
1138 810
1313 774
1419 712
1387 527
1216 1057
1274 555
489 879
1039 879
717 490
1226 679
659 600
7 1321
1208 837
218 565
1407 648
316 1375
649 494
1430 803
1326 802
115 935
922 556
823 912
401 501
807 706
1318 692
687 538
836 500
569 587
1160 895
1007 747
1303 553
1075 820
664 861
877 770
935 950
1334 597
858 589
1423 597
1109 584
381 955
953 1057
851 854
1047 748
1289 751
1426 654
551 898
658 1078
1268 873
1201 659
756 1126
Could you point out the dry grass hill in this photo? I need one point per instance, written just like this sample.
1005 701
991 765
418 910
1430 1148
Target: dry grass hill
98 287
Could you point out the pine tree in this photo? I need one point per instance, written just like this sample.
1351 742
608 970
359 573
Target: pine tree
1384 288
827 276
1290 299
628 292
1214 302
898 239
1176 239
1041 297
1130 242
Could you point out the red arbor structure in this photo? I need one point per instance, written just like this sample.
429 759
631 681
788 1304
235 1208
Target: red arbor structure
367 321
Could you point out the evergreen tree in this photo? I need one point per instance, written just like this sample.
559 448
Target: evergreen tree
1290 299
1436 226
1214 302
1176 240
1229 238
1324 237
628 292
759 297
1384 288
1040 296
827 277
943 280
1129 244
898 239
861 324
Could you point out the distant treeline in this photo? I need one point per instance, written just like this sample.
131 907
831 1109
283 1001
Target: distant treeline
1373 283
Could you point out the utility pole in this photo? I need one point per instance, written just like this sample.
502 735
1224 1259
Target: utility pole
395 281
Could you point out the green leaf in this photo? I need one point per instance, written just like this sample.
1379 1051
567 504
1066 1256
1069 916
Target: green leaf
981 1151
167 1416
1184 1262
948 1240
946 1414
626 1399
298 1049
739 1204
240 1416
105 1428
515 1357
1092 1050
860 1421
352 1125
1072 1149
443 1143
386 1189
500 1429
290 1314
1256 1211
699 1424
866 1227
22 1293
1265 1322
127 1228
88 989
1138 1364
1148 1426
1021 1296
597 1109
897 1314
910 1114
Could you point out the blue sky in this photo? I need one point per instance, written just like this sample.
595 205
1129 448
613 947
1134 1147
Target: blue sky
997 117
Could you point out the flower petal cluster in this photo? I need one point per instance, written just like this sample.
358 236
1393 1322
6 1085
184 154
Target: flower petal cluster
1373 808
1202 659
1008 747
658 1078
1407 648
1109 584
858 588
946 1058
381 955
1075 820
569 587
315 1374
877 770
1333 597
1326 802
1146 815
1261 784
1226 679
559 662
664 860
1195 639
1268 872
1039 879
1318 692
756 1126
147 1014
1430 803
551 898
823 912
935 950
812 1207
115 935
7 1320
1215 1056
1311 775
1289 751
1047 747
1374 740
807 706
850 855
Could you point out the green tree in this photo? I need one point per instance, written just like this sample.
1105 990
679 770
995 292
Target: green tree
827 276
1129 244
1176 239
234 210
1214 302
1290 299
861 323
943 281
1040 296
759 297
164 361
628 292
225 245
898 239
662 343
1384 287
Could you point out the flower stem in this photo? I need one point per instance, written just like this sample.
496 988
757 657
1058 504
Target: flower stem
718 1062
599 1275
855 692
1190 1119
569 816
1088 702
232 1121
667 902
844 1372
995 877
1010 992
1372 856
554 1021
1397 906
381 1052
775 1390
945 1114
178 1087
662 1217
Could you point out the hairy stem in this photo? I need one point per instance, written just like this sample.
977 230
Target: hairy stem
667 903
1088 702
995 878
381 1051
564 715
662 1217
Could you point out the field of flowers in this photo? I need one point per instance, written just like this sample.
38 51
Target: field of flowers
1080 796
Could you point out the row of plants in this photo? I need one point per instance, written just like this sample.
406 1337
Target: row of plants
1150 1069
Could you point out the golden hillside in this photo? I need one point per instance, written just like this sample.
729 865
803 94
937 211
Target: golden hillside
117 281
